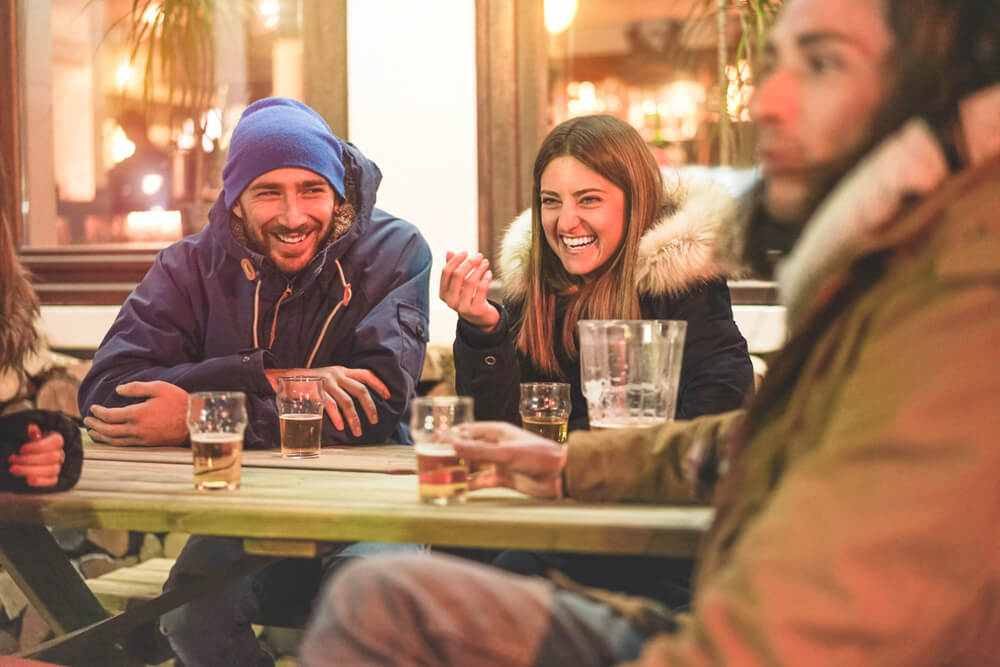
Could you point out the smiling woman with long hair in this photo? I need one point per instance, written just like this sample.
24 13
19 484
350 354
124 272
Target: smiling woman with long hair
39 449
604 239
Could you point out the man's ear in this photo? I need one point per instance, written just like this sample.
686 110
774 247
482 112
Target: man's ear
237 209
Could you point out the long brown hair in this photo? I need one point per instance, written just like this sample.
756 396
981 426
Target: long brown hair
613 149
18 302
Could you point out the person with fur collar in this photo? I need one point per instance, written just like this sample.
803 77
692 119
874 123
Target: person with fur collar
605 239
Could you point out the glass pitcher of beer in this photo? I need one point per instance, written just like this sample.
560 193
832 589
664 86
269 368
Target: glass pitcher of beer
630 371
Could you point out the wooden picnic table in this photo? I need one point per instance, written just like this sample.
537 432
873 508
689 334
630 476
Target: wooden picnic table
295 508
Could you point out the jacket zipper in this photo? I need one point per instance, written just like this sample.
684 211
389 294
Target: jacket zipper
277 306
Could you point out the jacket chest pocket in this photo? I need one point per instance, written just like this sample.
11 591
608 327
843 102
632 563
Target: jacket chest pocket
414 330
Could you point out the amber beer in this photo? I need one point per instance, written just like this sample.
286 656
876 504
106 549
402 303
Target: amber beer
442 476
217 458
301 435
553 428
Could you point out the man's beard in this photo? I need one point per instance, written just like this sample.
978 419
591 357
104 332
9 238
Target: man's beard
254 238
770 237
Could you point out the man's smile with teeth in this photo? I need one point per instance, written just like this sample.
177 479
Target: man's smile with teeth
291 238
575 242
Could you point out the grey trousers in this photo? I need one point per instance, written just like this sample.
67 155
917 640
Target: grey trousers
431 609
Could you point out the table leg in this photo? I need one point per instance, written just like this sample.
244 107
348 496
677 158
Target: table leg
88 635
44 573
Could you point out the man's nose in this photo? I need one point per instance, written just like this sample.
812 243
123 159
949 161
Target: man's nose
774 100
293 213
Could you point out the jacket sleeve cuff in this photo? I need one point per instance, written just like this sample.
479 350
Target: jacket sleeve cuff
474 337
661 464
253 364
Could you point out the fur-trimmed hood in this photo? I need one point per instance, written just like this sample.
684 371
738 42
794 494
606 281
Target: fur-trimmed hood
688 247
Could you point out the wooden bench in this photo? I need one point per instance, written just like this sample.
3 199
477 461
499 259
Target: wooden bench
144 581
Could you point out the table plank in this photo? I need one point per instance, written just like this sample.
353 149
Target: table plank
360 458
330 505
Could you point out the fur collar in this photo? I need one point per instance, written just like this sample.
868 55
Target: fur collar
679 251
863 206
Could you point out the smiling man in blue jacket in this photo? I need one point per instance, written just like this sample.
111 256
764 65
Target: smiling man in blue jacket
296 269
297 272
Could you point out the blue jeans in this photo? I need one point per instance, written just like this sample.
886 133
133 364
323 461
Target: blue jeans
214 630
429 609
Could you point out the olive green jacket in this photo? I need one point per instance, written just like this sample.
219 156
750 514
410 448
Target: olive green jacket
865 525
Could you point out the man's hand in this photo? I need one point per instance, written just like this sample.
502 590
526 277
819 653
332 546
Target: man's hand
39 461
524 461
343 386
465 280
159 420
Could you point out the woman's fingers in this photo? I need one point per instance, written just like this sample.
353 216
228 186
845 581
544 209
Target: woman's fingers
55 457
458 289
448 274
50 442
42 482
471 299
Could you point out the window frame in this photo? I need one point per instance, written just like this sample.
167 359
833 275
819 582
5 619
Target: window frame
106 274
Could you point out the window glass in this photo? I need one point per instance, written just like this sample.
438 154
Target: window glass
654 64
110 157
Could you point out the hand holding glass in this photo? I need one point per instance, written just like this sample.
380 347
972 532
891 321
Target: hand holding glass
545 408
442 475
300 414
216 421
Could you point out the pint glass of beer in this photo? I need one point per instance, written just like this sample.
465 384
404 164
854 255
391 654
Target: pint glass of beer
300 414
545 408
443 477
216 421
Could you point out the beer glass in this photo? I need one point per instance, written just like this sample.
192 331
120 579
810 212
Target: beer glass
216 421
630 370
442 476
300 414
545 408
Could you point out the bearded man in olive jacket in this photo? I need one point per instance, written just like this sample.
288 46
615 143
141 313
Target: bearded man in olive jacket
857 500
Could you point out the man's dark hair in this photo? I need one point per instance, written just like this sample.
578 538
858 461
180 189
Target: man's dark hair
945 50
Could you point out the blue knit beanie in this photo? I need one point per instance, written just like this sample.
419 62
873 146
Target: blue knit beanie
278 132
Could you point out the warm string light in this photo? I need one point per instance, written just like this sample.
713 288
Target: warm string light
674 110
739 90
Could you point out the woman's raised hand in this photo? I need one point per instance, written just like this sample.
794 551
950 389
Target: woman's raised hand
465 279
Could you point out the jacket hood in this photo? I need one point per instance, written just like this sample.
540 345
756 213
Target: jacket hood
692 245
361 181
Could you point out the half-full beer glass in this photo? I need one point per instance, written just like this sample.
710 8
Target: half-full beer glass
300 415
630 371
443 477
216 421
545 408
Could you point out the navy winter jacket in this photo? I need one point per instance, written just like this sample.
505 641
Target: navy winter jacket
205 315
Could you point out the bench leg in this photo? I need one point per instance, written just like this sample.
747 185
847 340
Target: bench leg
89 635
